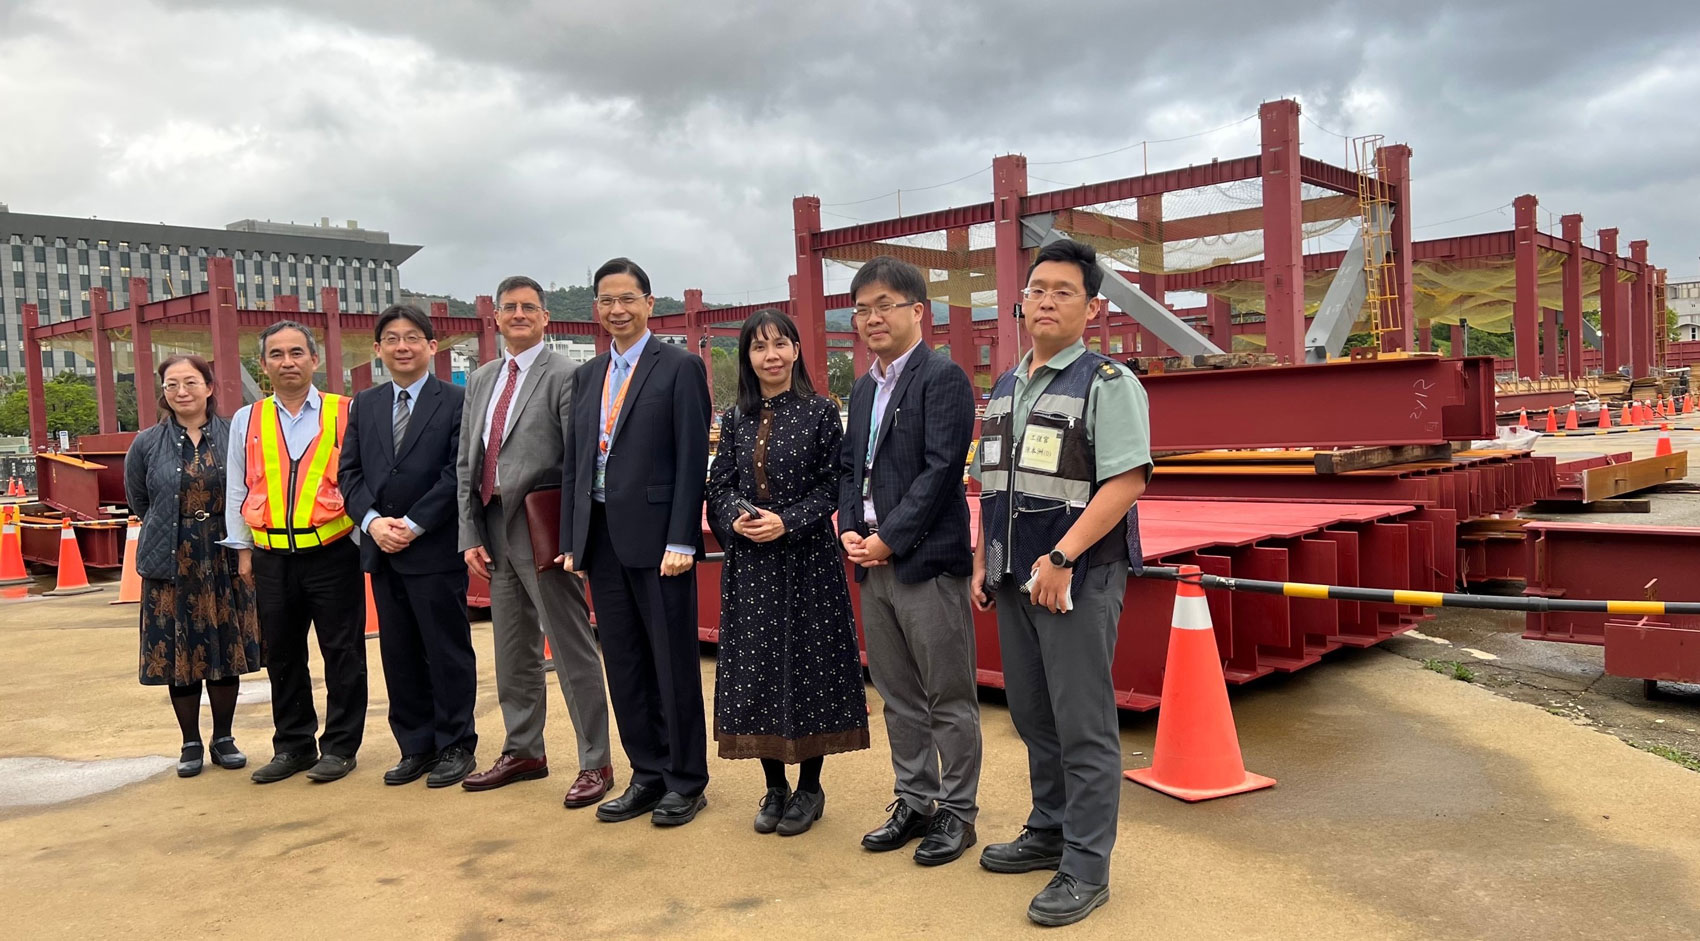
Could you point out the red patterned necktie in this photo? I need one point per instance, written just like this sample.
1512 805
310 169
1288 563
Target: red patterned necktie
498 424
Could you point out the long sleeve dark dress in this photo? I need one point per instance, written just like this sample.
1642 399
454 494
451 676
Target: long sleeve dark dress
788 677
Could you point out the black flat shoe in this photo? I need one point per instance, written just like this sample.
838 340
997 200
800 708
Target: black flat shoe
677 809
411 768
635 802
801 812
946 840
226 755
772 809
283 766
189 763
330 768
906 824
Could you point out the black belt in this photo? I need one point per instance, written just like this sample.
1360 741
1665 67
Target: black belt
198 516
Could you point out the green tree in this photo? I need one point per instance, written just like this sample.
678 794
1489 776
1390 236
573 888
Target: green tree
725 390
840 374
70 406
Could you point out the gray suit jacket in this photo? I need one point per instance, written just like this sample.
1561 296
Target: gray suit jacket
532 448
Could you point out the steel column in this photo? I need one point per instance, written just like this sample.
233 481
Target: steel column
1395 164
1549 342
141 352
226 336
335 378
360 378
1009 189
1640 315
1611 331
33 381
1283 234
961 323
697 336
487 336
808 306
1571 227
1526 306
105 378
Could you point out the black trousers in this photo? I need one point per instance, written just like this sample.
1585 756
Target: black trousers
323 588
429 667
648 627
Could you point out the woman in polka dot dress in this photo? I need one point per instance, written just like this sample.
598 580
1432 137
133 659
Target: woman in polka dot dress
788 677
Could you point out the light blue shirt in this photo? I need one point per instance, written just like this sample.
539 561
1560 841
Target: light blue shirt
412 400
626 361
299 431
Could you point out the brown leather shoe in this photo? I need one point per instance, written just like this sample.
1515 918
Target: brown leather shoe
505 771
589 787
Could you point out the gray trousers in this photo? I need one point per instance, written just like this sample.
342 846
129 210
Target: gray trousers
1056 672
521 598
921 656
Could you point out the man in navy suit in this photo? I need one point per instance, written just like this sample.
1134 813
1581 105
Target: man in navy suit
903 518
631 517
398 478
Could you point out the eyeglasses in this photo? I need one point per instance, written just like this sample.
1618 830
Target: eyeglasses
607 302
1060 295
187 385
861 312
512 308
391 341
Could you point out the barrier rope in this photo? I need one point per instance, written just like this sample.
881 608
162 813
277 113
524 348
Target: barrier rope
1426 599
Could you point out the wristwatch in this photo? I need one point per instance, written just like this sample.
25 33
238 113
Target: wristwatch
1061 561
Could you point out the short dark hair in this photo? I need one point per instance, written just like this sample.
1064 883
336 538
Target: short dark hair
514 283
201 366
282 325
407 312
1072 252
615 266
749 387
896 274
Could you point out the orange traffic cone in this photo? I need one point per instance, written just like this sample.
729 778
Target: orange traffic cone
73 578
1626 418
14 487
130 583
11 550
1523 418
548 655
1643 414
1605 416
1552 422
1664 441
1570 422
371 609
1197 756
1688 404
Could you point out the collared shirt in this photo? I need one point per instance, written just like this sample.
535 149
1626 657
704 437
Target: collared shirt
412 400
1116 418
628 360
885 382
299 431
525 360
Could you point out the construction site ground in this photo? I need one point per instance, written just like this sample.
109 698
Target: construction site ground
1410 806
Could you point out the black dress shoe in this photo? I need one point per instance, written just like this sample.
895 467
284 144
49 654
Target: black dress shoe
946 840
410 769
637 800
190 761
452 767
1031 849
801 812
1066 900
330 768
677 809
772 809
283 766
225 754
906 824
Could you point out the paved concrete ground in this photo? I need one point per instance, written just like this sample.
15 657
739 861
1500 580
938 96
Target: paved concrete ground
1410 806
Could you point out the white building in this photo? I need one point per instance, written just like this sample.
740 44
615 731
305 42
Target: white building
1684 298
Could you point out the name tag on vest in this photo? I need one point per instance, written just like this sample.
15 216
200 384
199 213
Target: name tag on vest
991 451
1041 449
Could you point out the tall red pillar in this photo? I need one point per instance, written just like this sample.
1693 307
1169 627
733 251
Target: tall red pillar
1549 342
1221 315
808 298
1571 229
1283 232
444 366
1613 358
360 378
963 351
487 335
1009 188
1640 314
33 380
1526 305
334 378
226 334
105 375
1395 164
697 335
141 352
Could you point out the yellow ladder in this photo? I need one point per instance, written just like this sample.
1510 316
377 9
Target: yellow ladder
1375 205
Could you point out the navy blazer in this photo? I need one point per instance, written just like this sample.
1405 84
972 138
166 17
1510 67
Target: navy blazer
919 461
417 482
657 457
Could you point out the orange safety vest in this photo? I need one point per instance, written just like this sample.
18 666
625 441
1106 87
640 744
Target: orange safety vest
294 503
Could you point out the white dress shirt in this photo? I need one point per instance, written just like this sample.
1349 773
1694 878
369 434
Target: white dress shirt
885 382
525 360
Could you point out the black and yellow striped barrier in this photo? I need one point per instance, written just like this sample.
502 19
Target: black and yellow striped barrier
1427 599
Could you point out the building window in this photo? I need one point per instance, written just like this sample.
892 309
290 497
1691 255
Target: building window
63 269
102 246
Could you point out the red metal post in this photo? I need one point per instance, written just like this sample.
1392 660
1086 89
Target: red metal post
1611 331
487 348
1221 315
1395 164
1526 304
1425 338
963 350
1549 342
696 333
105 376
226 342
1571 227
808 298
1640 315
444 367
287 303
360 378
141 347
1283 234
334 375
1009 189
33 380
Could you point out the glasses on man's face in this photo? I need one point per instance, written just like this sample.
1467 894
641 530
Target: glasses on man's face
187 385
391 341
1060 295
512 308
608 302
862 311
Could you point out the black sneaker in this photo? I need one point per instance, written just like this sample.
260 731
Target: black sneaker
283 766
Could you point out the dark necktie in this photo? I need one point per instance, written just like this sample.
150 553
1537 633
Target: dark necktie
401 417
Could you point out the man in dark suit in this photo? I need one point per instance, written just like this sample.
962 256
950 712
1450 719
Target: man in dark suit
903 518
398 478
631 517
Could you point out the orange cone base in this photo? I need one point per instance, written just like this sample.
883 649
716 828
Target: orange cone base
1148 777
63 592
8 582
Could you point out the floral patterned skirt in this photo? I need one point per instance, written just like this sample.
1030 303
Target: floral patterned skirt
202 625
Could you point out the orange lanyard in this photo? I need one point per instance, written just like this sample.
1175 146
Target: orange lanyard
613 409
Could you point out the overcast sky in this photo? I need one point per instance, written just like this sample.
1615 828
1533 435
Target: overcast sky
545 137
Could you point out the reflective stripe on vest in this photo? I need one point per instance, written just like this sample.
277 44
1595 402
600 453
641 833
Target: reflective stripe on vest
303 507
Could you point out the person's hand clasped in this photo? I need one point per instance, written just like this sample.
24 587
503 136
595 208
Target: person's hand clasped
478 561
867 552
1050 586
245 564
391 534
764 528
676 563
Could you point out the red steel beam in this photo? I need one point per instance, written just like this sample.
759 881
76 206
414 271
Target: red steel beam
885 229
1339 179
1283 237
1526 306
1151 184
